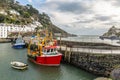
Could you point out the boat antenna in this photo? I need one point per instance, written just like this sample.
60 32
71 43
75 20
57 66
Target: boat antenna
51 36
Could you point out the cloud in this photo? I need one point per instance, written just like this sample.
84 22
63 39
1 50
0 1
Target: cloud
72 7
116 3
30 1
85 21
64 11
82 14
103 18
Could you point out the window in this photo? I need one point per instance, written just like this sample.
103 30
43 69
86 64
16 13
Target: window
51 50
48 50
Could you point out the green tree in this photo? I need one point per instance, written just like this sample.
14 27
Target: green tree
37 29
32 10
26 15
2 18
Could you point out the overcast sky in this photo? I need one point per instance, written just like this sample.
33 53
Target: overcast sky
80 16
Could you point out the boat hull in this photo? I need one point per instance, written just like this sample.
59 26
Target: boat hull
47 60
18 46
19 68
19 65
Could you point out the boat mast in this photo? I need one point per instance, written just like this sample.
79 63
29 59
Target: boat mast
40 47
29 46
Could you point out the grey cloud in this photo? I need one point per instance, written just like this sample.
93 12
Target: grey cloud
73 7
116 3
84 21
103 18
111 23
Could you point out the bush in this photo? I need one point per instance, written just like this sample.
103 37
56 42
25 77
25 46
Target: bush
2 18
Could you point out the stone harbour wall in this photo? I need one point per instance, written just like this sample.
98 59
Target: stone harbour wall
99 64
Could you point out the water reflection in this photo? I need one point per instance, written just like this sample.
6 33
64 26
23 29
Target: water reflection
46 72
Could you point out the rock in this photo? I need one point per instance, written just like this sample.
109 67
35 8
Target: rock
115 74
113 32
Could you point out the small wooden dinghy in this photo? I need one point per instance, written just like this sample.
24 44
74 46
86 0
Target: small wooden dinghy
19 65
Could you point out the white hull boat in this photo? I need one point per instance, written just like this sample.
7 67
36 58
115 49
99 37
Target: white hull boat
19 65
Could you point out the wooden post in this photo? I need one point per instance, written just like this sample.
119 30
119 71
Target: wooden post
60 42
69 55
77 49
65 52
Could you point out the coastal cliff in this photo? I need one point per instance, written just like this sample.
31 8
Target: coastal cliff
113 31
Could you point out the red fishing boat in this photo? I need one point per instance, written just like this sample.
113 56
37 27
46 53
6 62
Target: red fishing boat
45 52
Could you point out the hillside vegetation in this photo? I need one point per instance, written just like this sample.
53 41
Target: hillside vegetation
12 12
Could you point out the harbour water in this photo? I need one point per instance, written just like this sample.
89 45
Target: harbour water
84 38
36 72
92 38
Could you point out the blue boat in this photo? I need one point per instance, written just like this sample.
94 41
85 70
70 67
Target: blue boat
19 43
